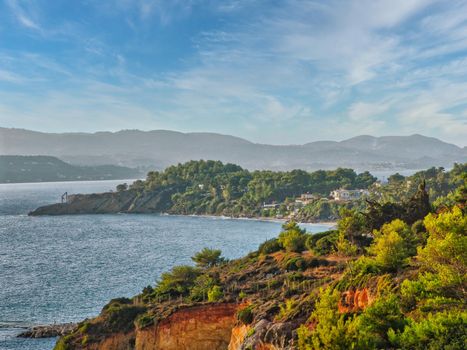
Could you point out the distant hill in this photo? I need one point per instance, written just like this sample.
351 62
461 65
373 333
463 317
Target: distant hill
160 148
46 168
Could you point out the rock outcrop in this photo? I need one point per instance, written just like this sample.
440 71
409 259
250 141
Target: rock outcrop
196 328
354 300
263 303
110 202
48 331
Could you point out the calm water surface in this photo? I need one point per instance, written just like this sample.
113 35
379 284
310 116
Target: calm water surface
65 268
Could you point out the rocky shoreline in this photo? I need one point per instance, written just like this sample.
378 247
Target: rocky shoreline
48 331
130 202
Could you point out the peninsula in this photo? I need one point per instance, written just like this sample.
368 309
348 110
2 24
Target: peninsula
214 188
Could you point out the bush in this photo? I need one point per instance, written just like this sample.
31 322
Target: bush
332 330
292 238
287 309
315 237
375 322
177 282
245 315
269 246
215 294
201 287
115 304
122 187
345 247
208 257
144 320
326 245
294 263
446 330
445 252
121 318
392 245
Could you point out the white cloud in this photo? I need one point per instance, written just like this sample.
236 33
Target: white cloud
10 77
366 111
23 16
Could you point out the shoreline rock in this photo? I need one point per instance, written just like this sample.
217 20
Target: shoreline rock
48 331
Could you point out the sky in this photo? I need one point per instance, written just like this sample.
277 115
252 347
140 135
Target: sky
279 72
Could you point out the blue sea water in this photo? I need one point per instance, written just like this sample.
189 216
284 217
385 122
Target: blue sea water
65 268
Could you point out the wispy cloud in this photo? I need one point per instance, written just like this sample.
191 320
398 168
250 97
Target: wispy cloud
23 13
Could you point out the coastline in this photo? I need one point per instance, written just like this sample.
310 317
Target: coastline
257 218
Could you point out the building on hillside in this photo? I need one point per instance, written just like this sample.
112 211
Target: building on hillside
305 199
270 206
348 195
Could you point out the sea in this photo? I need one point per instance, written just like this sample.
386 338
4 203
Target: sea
57 269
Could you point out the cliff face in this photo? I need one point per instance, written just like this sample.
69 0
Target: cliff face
354 300
263 303
110 202
237 336
118 341
198 328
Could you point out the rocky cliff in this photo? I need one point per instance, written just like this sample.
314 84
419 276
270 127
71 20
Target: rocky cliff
264 299
110 202
196 328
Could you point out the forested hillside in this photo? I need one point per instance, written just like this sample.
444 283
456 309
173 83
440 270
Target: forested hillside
214 188
211 187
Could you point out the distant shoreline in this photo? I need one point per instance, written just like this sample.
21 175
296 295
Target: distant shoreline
66 181
258 218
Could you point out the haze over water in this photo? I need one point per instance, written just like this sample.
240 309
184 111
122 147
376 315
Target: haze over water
65 268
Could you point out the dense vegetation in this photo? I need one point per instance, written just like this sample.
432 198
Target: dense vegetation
214 188
44 168
390 277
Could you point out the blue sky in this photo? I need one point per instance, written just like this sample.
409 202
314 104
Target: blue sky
276 72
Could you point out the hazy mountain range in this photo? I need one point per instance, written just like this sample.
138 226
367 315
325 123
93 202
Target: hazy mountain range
160 148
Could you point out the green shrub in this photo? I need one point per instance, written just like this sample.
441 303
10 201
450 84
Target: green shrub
115 304
245 315
250 332
445 253
326 245
270 246
292 238
122 318
144 320
201 287
445 330
376 320
85 340
177 282
344 247
392 245
311 239
358 273
294 263
208 258
62 344
215 294
332 330
287 309
315 262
